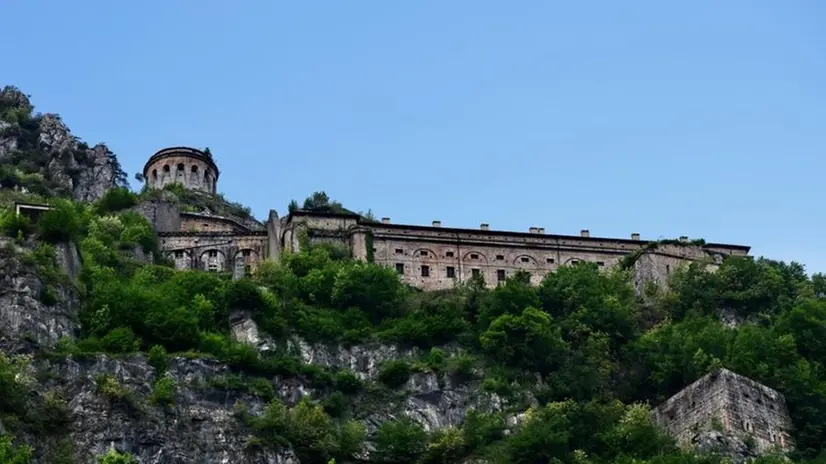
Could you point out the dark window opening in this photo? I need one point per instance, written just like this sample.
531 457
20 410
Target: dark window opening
179 254
212 254
195 169
574 261
550 261
400 268
475 272
154 173
600 263
451 272
165 168
525 259
423 253
245 253
474 256
180 166
399 251
500 257
667 269
425 271
448 254
500 275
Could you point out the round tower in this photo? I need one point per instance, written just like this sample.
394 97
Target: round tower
190 167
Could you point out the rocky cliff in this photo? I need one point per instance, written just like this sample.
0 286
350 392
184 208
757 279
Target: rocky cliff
39 154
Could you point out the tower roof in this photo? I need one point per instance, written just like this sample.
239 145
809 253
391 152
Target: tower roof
181 151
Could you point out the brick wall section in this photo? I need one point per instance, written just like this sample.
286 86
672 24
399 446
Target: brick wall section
742 406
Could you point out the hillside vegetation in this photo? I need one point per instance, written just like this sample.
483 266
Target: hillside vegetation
575 363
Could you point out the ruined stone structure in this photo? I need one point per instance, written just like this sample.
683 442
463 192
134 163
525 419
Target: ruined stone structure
192 168
430 257
731 403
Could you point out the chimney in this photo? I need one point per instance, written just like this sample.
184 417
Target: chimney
533 230
584 233
540 230
385 220
484 226
437 223
635 236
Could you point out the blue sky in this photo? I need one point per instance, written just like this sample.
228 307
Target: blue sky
703 118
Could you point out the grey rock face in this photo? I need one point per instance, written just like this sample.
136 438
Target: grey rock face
72 167
199 427
26 323
729 446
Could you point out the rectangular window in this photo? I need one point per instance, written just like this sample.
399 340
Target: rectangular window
448 254
451 272
667 269
476 272
500 257
179 254
400 268
474 256
213 254
500 275
600 263
525 259
550 261
399 251
425 271
423 253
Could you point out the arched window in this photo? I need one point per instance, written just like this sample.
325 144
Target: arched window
194 169
154 173
180 166
165 168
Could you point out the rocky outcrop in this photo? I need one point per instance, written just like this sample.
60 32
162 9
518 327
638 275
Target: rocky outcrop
35 314
724 445
109 404
43 144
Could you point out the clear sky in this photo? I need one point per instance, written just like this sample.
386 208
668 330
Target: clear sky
703 118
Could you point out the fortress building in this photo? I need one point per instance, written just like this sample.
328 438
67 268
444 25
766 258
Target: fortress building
732 404
430 257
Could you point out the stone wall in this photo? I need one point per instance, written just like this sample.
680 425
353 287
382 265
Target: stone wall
164 215
215 251
731 402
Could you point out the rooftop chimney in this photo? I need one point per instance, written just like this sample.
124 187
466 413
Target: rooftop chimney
584 233
533 230
385 220
540 230
437 223
635 236
484 226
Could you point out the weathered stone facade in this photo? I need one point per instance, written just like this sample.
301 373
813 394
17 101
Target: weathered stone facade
437 257
192 168
733 405
429 257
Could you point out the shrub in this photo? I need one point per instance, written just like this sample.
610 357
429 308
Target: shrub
116 199
395 373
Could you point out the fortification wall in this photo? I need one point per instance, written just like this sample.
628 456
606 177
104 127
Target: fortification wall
438 264
215 252
199 223
738 405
